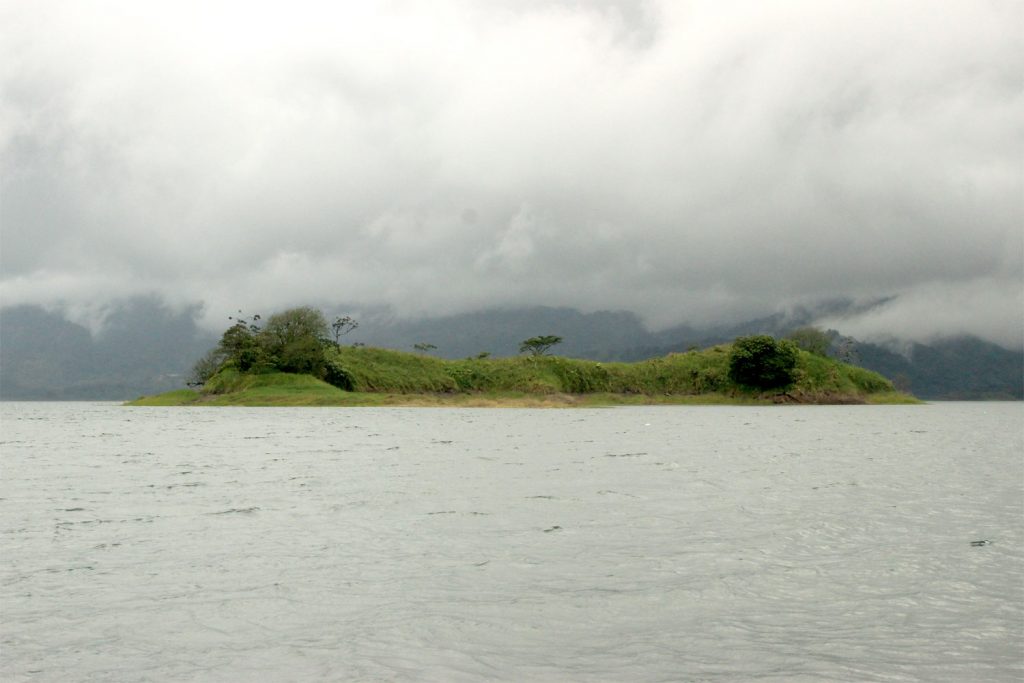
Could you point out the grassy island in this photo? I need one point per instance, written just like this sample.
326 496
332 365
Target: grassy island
364 376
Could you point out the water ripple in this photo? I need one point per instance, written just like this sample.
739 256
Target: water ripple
847 543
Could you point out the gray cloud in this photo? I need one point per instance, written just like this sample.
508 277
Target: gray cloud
690 161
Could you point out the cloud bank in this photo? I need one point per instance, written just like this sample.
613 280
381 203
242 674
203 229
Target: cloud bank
690 161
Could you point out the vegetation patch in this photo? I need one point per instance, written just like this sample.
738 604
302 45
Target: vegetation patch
762 362
292 360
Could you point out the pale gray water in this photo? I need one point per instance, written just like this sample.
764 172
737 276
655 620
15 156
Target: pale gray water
628 544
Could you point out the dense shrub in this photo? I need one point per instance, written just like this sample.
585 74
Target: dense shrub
337 375
293 340
707 379
577 376
761 362
240 346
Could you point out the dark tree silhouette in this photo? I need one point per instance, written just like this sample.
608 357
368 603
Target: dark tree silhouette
538 346
342 326
761 362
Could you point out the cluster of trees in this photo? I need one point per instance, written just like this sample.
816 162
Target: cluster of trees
291 341
296 341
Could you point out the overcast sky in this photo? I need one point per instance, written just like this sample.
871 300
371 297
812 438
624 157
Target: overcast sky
688 161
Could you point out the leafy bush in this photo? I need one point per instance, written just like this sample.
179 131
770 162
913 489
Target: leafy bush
707 379
337 375
293 340
761 362
240 346
578 376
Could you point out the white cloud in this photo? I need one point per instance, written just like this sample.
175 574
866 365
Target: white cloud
690 161
941 310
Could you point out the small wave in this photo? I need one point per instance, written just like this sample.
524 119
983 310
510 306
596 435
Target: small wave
239 511
608 492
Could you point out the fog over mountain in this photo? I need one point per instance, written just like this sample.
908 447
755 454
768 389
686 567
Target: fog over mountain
698 163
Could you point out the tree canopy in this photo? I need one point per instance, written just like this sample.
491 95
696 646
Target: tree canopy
294 340
762 362
240 345
291 341
538 346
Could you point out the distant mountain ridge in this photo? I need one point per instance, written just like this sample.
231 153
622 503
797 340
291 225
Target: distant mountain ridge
146 347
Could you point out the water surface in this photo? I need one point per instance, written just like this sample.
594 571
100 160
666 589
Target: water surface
798 543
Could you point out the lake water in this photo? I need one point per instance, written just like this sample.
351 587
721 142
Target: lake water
796 543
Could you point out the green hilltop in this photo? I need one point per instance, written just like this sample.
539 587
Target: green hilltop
365 376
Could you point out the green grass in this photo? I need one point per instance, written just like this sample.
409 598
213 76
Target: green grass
378 377
892 398
230 388
375 370
370 369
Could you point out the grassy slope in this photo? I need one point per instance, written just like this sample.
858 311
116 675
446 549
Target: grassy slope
384 377
230 388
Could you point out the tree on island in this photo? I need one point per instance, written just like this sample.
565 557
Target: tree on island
762 362
538 346
293 340
240 343
342 326
424 347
